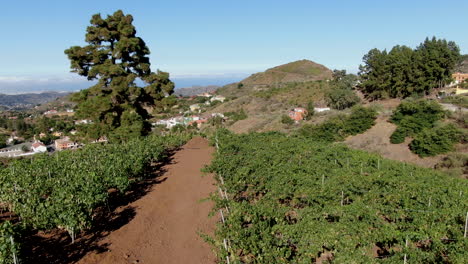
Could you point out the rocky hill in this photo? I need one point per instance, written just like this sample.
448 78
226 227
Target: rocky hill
300 71
297 71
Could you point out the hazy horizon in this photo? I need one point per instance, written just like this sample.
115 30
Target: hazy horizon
213 43
31 85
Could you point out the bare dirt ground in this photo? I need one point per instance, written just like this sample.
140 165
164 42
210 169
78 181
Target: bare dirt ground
157 221
168 218
377 140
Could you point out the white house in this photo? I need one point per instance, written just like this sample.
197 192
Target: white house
195 107
171 122
218 98
38 147
321 109
83 122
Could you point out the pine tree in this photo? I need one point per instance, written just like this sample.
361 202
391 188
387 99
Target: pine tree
116 58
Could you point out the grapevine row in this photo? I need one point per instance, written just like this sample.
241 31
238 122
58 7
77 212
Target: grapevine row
63 190
293 200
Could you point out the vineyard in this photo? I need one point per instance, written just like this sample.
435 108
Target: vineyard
293 200
63 190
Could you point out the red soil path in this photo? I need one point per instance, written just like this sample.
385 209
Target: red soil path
168 218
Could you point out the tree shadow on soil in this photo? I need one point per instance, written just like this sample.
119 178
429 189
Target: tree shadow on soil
55 246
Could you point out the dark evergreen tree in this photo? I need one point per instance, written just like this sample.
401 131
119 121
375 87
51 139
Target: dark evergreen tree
403 71
117 59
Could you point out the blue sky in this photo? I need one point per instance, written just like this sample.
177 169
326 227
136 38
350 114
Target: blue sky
220 40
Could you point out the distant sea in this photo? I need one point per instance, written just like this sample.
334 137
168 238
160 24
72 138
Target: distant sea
38 87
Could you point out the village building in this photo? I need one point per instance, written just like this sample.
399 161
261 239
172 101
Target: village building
38 147
217 115
298 114
102 139
459 78
218 98
57 134
83 122
65 143
207 95
51 112
321 109
195 107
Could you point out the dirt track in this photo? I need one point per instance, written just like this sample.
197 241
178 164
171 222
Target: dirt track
168 218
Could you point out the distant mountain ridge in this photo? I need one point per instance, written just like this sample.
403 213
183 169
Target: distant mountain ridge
194 90
28 100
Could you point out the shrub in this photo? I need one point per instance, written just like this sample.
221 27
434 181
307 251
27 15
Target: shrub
310 110
413 116
360 120
285 119
431 142
424 111
338 127
341 98
398 136
329 131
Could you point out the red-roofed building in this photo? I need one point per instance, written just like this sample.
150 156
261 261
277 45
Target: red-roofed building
298 114
38 147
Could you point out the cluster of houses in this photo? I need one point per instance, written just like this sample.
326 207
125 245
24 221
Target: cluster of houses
196 108
53 112
187 120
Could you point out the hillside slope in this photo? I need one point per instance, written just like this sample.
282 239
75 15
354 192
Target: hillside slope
462 65
268 95
294 72
297 71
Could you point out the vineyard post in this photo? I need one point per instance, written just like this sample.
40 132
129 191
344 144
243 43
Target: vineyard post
429 204
222 215
216 140
466 225
406 246
342 198
15 260
323 179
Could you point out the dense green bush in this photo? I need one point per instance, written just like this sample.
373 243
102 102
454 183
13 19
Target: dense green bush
431 142
360 120
329 131
341 98
338 127
398 136
285 119
414 116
